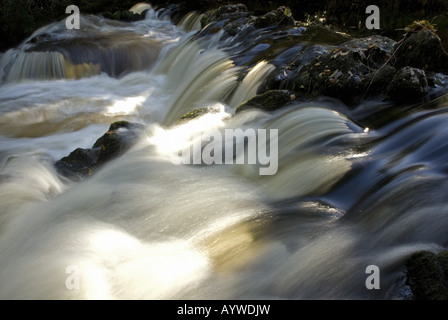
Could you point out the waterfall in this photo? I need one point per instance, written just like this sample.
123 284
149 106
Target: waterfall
191 22
144 226
114 50
48 65
251 82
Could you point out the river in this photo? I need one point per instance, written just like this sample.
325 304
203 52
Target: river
344 196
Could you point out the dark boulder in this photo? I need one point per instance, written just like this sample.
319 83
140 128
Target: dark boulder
427 275
231 8
421 49
222 13
408 84
377 49
83 162
268 101
235 17
282 16
117 139
349 72
378 81
125 15
364 68
79 163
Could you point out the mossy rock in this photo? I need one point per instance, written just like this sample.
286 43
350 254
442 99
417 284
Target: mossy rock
79 163
116 140
83 162
269 101
422 49
198 113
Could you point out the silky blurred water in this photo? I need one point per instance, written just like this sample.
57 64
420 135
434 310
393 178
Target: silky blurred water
141 227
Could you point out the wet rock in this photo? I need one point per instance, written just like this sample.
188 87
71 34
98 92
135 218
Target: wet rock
268 101
40 38
377 49
378 81
83 162
285 77
408 84
125 15
221 12
316 32
235 18
348 72
79 163
239 26
359 69
421 49
280 17
128 16
231 8
437 80
339 74
427 275
199 112
117 139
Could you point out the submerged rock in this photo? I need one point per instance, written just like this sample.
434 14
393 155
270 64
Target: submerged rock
80 162
83 162
117 139
427 275
199 112
268 101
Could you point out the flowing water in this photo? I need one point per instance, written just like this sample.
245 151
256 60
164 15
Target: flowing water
141 227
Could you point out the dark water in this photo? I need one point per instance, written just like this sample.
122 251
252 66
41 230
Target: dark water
354 188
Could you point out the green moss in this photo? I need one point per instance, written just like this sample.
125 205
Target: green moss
268 101
420 25
195 113
198 112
